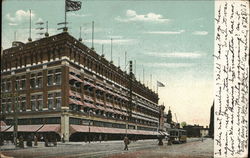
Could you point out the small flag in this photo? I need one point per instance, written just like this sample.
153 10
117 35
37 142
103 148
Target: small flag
72 5
159 84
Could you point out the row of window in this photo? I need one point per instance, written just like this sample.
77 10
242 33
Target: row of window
36 102
78 121
35 121
54 77
111 115
100 95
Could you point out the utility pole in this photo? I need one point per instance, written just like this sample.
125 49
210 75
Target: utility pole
16 109
143 76
89 125
14 98
125 65
93 35
176 117
130 92
111 47
151 81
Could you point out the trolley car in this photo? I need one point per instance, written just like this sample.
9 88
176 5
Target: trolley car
178 136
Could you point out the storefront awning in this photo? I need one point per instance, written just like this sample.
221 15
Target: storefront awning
4 128
96 129
2 123
78 128
50 128
25 128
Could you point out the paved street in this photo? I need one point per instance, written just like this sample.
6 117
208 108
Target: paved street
140 149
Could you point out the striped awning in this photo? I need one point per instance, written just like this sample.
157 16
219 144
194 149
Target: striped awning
73 101
25 128
109 104
72 77
74 94
86 83
86 97
4 128
50 128
89 105
96 129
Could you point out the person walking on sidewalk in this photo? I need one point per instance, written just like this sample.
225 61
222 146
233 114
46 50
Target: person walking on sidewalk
126 142
100 138
35 140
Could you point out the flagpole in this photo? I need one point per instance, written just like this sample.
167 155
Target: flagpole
65 17
157 88
151 81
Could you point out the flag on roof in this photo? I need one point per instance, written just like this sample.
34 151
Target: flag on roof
159 84
72 5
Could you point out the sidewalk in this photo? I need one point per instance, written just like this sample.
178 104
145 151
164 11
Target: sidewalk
41 144
9 146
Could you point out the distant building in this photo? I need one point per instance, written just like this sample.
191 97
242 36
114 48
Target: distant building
211 124
204 132
193 130
67 89
167 125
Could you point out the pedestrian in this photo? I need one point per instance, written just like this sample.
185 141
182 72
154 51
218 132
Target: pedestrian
85 139
1 139
29 141
55 141
160 141
169 141
63 140
42 138
46 142
21 143
106 137
126 142
100 138
35 140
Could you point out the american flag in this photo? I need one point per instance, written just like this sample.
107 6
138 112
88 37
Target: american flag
159 84
72 5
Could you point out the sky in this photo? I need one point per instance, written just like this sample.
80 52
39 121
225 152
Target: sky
170 40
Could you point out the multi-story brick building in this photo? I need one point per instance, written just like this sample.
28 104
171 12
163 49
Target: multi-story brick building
66 88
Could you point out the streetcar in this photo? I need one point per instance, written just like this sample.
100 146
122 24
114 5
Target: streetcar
178 136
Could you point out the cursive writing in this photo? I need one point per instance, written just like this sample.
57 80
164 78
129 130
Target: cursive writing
231 78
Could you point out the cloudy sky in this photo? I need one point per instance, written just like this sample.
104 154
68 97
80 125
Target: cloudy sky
172 40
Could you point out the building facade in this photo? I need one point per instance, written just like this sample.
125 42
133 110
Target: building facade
57 84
